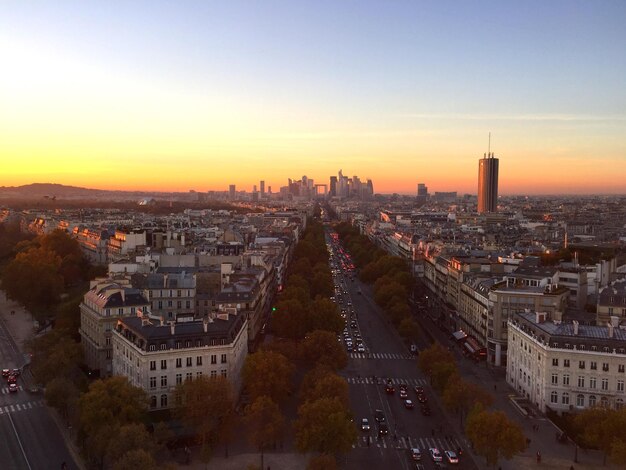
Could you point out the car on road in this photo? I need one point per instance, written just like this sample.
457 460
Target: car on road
379 416
416 454
435 455
451 457
383 429
389 389
11 379
365 424
360 348
422 398
5 372
408 404
419 390
403 394
16 372
12 388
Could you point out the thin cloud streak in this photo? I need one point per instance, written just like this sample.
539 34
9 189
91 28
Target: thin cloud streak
518 117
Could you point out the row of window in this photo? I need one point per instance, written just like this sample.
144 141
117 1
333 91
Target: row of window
580 400
168 293
179 378
159 304
178 344
188 362
592 382
593 365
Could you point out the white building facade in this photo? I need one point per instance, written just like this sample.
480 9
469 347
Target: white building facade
566 367
158 357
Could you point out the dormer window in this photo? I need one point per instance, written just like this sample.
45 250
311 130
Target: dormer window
163 346
152 347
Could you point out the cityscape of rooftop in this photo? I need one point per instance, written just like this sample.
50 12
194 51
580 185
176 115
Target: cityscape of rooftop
155 96
252 235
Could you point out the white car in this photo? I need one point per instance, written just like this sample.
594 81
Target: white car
360 348
435 454
451 457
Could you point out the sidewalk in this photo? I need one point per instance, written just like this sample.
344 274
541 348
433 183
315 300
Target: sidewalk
553 454
20 325
274 461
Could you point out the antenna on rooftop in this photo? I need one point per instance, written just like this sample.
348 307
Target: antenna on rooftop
489 147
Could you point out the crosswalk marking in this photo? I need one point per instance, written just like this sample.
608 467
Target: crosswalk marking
5 390
423 443
357 355
381 381
21 406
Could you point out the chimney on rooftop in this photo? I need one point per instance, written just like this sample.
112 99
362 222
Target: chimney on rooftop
205 324
172 328
611 328
575 323
614 320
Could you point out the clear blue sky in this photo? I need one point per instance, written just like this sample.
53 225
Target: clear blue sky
316 86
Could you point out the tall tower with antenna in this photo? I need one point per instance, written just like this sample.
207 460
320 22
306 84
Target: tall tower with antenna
488 167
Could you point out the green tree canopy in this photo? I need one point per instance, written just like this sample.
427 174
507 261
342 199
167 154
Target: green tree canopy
322 347
268 373
324 426
322 382
204 404
493 435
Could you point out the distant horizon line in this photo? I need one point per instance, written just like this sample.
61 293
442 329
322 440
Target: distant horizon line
459 194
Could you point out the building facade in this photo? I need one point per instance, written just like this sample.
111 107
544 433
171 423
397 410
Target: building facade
566 367
100 309
488 184
157 356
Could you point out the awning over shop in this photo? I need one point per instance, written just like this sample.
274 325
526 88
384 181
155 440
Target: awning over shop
469 347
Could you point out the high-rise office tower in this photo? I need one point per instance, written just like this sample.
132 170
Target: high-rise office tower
262 188
422 190
231 192
488 183
333 186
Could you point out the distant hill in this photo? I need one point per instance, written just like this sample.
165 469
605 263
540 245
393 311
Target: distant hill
49 189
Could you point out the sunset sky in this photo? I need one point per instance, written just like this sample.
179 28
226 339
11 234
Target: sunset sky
201 94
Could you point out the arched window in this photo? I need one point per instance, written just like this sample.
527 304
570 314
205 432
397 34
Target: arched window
153 401
592 400
604 402
580 400
619 404
554 397
163 401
